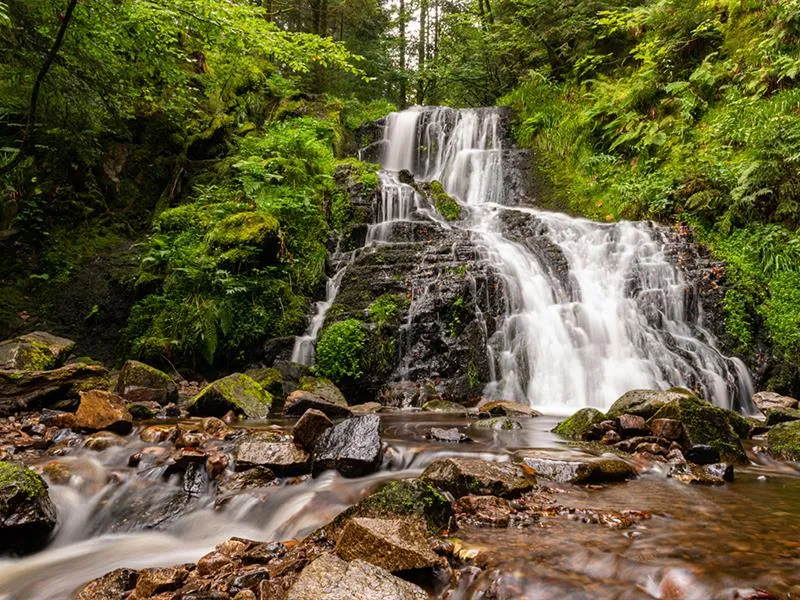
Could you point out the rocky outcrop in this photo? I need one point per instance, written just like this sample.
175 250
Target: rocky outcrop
27 515
32 390
138 382
236 392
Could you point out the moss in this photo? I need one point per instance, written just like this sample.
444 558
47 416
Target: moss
340 351
387 309
577 425
408 497
18 479
235 392
447 206
783 441
36 356
443 406
270 379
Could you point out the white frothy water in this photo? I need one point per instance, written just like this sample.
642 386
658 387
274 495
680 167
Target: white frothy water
304 345
620 320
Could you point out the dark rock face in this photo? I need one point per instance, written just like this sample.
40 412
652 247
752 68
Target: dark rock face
353 447
139 382
465 476
27 515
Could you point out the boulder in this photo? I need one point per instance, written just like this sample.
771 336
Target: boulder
572 469
768 400
330 578
669 429
37 351
783 441
138 382
353 447
257 477
705 424
393 544
781 415
101 410
507 408
27 515
285 459
111 585
466 476
496 424
451 436
32 390
237 393
309 427
644 403
579 424
299 401
444 406
323 388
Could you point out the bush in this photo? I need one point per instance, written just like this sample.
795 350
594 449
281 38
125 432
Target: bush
341 351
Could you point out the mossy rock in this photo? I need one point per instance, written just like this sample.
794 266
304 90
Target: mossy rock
37 351
576 426
706 424
444 406
783 441
27 515
236 392
138 382
781 415
445 204
496 424
271 379
246 235
644 403
324 388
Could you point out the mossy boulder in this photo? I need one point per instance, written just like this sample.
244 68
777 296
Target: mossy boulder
271 379
323 388
579 424
781 415
246 235
37 351
236 392
705 424
27 515
138 382
496 424
444 406
783 441
644 403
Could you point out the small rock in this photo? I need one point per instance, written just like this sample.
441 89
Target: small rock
669 429
496 424
214 563
102 410
285 459
484 510
651 448
214 426
702 454
769 400
299 401
367 408
716 474
309 427
157 433
111 585
610 438
393 544
330 578
27 515
507 408
156 581
444 406
353 447
452 435
578 425
102 440
216 463
632 425
142 411
466 476
579 470
138 382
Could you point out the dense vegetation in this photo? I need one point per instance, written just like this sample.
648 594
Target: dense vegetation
208 134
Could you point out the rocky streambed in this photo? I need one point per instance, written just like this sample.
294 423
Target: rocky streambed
270 485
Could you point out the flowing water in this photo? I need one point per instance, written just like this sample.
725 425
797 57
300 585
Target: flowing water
623 317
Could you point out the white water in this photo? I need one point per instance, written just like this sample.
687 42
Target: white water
619 323
304 351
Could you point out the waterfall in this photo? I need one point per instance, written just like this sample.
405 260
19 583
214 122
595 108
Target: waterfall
620 317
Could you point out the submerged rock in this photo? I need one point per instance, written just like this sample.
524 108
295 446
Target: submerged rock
284 458
309 427
783 441
138 382
452 435
496 424
236 392
37 351
27 515
331 578
484 510
353 447
394 544
465 476
569 469
644 403
299 401
100 410
579 424
713 474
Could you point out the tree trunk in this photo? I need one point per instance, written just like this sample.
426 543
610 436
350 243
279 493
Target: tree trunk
422 53
402 25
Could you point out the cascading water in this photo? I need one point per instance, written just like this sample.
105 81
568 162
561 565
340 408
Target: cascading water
621 317
303 351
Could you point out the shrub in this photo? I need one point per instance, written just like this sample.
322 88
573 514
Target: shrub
340 351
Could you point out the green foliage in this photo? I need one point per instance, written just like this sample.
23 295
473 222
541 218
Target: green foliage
341 351
387 309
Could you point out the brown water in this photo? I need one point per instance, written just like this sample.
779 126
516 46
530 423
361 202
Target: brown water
704 542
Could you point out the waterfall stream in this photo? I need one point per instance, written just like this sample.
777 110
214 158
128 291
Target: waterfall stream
621 317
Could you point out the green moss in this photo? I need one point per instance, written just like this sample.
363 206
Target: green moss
18 479
409 497
445 204
341 351
271 379
783 441
37 357
235 392
387 309
577 425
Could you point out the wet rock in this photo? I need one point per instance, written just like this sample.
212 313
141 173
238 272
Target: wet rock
102 440
393 544
216 463
353 447
632 444
715 474
579 424
644 403
330 578
111 585
781 415
157 581
214 563
236 392
610 438
285 459
27 515
507 408
309 427
496 424
768 400
300 401
324 388
31 390
569 469
158 433
669 429
470 476
705 424
367 408
37 351
702 454
138 382
783 441
444 406
632 425
405 394
272 380
102 410
143 411
452 435
251 479
488 511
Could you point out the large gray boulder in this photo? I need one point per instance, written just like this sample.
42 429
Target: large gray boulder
353 447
